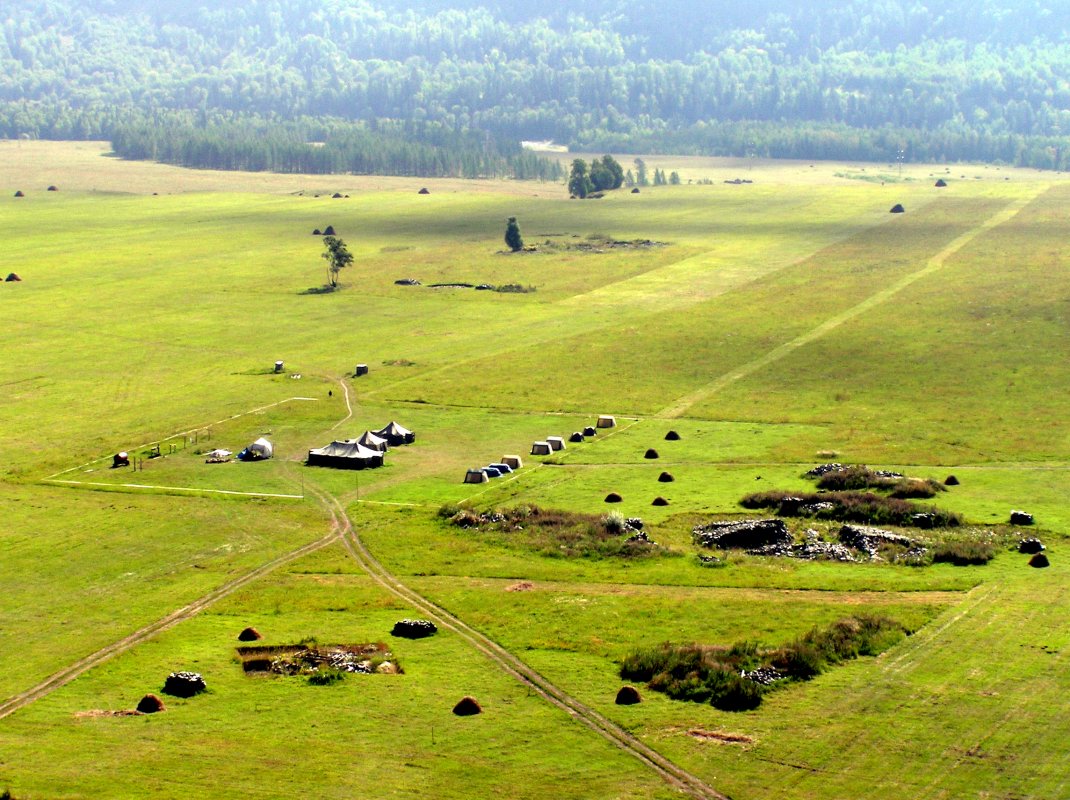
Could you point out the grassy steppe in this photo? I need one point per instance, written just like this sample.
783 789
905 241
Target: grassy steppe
774 326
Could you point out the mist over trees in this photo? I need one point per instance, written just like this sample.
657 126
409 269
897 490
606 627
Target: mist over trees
950 80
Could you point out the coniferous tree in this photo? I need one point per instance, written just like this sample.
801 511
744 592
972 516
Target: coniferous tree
512 235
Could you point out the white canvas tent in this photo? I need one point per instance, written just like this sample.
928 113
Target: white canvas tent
257 451
556 442
541 449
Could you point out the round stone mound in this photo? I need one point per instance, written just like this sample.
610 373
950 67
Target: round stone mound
184 684
665 477
660 501
414 628
672 436
249 635
651 453
628 696
467 707
1039 561
613 497
951 480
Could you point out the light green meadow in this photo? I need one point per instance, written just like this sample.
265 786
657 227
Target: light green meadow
773 326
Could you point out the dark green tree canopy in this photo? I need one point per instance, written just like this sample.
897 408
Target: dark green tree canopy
512 235
579 182
337 256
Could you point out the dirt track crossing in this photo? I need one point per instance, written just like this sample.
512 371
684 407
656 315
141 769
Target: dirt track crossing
674 775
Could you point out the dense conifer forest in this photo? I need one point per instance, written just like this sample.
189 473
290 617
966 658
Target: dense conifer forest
452 86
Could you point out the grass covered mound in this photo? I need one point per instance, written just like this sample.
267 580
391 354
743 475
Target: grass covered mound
858 477
866 508
736 678
559 533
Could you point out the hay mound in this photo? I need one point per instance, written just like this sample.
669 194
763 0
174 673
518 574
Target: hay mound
1030 546
665 477
941 183
613 497
151 704
951 480
576 437
590 431
19 193
317 232
651 453
467 707
1039 561
250 635
53 188
414 628
897 209
628 696
329 230
13 277
672 436
336 196
635 190
425 190
660 501
184 684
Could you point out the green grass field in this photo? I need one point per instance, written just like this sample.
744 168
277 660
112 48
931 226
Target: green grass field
774 326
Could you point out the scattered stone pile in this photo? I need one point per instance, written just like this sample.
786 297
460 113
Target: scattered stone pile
184 684
355 660
628 696
745 535
824 469
414 628
766 676
869 539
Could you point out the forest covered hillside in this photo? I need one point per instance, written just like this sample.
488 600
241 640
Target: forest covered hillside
952 80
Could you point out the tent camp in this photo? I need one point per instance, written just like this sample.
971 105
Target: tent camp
257 451
606 421
395 434
556 442
349 454
373 441
541 449
514 462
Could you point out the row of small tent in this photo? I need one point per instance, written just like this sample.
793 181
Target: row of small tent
365 452
507 465
554 443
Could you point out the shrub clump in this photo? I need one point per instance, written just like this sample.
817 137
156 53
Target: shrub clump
735 679
964 553
561 533
852 506
326 676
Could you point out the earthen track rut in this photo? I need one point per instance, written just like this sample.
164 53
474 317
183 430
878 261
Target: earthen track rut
342 530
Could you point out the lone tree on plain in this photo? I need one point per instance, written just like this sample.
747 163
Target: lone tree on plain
512 235
337 257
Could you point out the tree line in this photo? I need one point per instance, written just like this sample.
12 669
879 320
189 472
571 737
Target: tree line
951 80
332 147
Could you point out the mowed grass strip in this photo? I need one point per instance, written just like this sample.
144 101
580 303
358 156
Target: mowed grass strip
651 360
958 369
